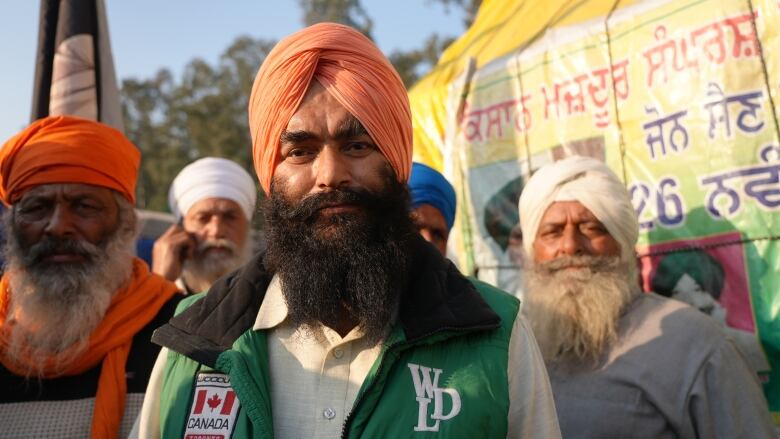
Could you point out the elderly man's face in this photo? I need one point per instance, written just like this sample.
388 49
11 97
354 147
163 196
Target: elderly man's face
65 212
433 226
214 221
568 228
70 249
325 148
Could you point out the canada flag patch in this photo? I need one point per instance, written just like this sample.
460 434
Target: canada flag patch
214 408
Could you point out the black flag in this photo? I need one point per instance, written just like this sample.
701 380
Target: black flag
74 71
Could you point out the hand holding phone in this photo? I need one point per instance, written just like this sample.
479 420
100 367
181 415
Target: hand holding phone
170 251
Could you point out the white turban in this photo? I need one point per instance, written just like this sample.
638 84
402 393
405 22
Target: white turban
212 177
588 181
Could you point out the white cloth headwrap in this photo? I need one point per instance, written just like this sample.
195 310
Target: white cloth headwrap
588 181
212 177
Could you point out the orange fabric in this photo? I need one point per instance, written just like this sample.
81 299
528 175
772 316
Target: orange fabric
66 149
352 69
132 308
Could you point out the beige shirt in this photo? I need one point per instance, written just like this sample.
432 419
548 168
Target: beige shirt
316 374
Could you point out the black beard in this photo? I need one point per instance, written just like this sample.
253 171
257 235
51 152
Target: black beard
352 265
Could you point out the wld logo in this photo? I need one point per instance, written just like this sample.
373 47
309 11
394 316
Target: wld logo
428 390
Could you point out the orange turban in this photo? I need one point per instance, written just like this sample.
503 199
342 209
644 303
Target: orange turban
66 149
353 70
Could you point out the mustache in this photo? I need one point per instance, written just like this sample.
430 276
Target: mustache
595 264
49 246
307 208
208 244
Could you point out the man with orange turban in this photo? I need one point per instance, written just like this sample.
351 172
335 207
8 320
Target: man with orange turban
350 324
77 309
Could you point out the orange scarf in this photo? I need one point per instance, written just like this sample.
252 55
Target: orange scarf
132 308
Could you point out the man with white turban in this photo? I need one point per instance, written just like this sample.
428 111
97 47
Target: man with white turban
213 200
350 324
622 363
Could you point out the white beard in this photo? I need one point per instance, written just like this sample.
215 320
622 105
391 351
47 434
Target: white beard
574 313
62 305
200 272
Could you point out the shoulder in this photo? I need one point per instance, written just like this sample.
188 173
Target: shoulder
674 315
187 301
497 299
672 326
502 303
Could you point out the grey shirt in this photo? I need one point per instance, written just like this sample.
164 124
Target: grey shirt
672 373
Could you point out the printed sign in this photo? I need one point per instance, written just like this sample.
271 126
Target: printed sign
681 99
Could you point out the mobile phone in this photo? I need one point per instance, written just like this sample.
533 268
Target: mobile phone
185 250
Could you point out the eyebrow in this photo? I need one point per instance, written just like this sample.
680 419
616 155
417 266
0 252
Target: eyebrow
217 211
349 128
296 136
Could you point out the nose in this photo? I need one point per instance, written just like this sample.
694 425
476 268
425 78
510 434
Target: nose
215 229
60 224
571 242
332 169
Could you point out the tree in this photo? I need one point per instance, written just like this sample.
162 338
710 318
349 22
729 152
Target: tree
203 114
348 12
469 8
412 65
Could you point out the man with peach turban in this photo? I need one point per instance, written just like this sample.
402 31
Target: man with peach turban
622 363
77 309
350 324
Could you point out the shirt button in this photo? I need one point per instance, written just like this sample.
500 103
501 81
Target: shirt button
338 352
329 413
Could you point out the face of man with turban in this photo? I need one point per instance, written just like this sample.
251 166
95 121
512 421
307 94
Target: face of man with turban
432 225
213 198
579 228
70 246
221 233
338 223
433 205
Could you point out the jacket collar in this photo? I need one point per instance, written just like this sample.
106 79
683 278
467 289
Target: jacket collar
438 298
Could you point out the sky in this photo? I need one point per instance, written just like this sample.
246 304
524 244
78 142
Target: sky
147 35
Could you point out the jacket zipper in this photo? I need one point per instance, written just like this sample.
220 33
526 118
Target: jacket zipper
350 416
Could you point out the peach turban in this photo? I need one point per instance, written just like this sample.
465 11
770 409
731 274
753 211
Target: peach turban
66 149
353 70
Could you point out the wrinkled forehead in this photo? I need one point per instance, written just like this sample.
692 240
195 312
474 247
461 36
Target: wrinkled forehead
320 114
215 206
561 212
67 190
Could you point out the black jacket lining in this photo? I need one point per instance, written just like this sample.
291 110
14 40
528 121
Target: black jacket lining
438 298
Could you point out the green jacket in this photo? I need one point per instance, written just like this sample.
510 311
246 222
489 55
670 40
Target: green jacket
442 370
